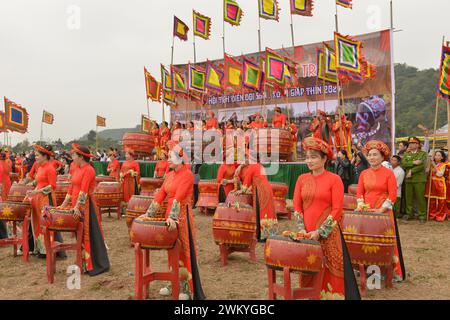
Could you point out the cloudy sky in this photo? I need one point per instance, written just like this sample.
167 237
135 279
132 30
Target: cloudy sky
80 58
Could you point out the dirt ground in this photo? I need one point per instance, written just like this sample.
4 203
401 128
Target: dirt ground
425 249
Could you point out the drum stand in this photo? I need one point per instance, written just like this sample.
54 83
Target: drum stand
144 274
285 290
52 247
226 250
14 240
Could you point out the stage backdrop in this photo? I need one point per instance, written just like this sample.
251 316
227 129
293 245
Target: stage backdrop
369 105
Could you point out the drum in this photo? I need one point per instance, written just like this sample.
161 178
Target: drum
137 206
273 142
234 225
208 194
18 192
108 195
63 178
352 189
302 255
149 185
280 191
102 178
350 202
152 233
59 220
62 187
14 211
370 237
141 143
242 199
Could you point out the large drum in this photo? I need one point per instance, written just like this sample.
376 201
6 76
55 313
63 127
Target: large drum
370 238
208 194
18 192
350 202
14 211
108 195
62 187
302 255
103 178
152 233
59 220
274 142
242 199
149 185
137 206
141 143
234 225
280 191
352 189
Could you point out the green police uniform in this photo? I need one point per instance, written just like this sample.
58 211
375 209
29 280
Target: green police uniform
415 185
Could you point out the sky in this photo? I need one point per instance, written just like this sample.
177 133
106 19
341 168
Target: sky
80 58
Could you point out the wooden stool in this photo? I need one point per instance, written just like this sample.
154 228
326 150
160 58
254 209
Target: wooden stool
52 247
389 271
15 240
285 290
144 274
226 250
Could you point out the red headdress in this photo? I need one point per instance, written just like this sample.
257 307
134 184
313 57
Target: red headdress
380 146
312 143
76 149
43 150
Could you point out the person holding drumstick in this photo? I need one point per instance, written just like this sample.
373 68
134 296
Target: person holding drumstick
79 198
318 201
178 188
377 188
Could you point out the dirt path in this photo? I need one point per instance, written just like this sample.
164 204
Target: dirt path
425 249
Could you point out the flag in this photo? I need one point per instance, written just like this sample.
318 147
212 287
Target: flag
169 98
180 29
345 3
252 75
274 68
197 79
16 117
146 125
233 73
302 7
166 79
2 122
290 72
47 117
214 77
348 56
152 86
101 122
269 9
232 12
326 62
180 84
444 76
198 97
368 70
202 25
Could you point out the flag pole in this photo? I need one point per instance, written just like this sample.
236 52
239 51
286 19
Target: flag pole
336 18
223 29
434 135
292 31
96 138
259 33
42 129
195 53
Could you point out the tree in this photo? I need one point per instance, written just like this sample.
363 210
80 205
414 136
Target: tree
92 135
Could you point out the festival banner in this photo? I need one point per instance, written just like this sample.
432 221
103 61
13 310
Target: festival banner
180 29
326 62
345 3
180 84
153 87
348 56
233 74
232 12
302 7
2 122
368 104
275 68
269 9
214 77
16 117
47 117
101 122
202 25
252 76
169 98
146 124
444 76
197 79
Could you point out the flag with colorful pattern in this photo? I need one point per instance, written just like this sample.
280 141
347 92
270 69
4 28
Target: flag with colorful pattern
202 25
180 84
180 29
214 77
16 117
326 62
101 122
444 76
274 68
232 12
166 79
197 79
345 3
47 117
2 122
269 9
169 98
348 56
233 73
153 87
302 7
252 75
146 124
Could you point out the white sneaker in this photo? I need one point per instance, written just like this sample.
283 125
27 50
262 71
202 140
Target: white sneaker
165 291
184 296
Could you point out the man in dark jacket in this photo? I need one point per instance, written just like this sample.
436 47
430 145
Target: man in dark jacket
343 168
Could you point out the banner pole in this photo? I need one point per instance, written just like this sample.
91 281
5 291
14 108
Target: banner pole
336 18
259 33
42 131
96 139
292 31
